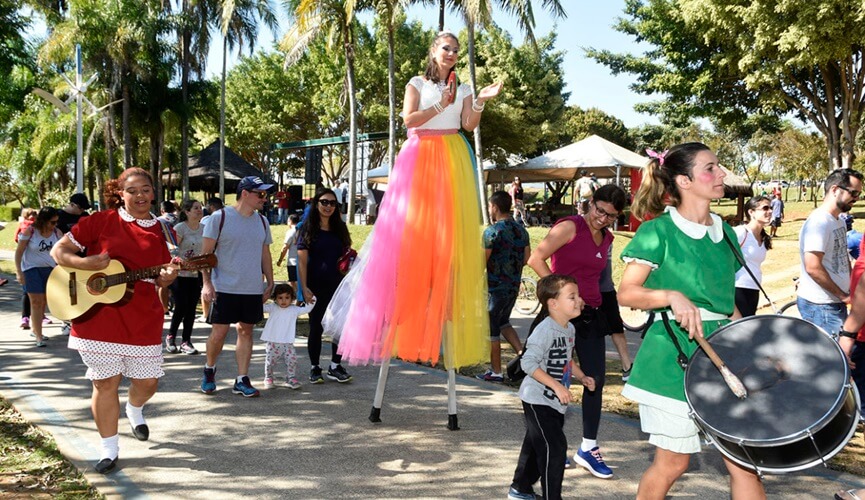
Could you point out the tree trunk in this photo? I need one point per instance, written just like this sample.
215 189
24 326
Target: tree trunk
352 109
391 89
127 129
109 143
222 122
482 185
155 146
184 92
442 6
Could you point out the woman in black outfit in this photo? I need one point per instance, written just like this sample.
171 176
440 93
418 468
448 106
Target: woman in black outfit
323 239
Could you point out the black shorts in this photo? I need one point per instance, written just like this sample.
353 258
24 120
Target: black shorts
499 307
776 222
610 309
230 308
292 273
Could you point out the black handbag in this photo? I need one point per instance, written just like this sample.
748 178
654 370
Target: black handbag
515 370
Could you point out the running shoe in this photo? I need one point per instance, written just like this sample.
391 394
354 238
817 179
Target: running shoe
25 322
315 375
170 346
268 383
208 382
626 374
293 383
338 374
188 348
245 388
515 494
489 376
593 462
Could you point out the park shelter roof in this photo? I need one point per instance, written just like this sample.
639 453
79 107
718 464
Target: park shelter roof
204 171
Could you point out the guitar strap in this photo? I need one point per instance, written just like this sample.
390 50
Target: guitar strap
170 240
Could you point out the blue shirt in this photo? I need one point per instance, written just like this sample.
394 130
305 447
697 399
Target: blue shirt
854 238
777 208
507 240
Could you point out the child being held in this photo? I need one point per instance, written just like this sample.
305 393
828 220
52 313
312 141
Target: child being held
279 333
544 392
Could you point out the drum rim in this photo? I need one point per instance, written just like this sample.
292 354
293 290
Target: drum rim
818 461
791 438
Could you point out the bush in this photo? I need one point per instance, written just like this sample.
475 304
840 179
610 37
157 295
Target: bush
10 213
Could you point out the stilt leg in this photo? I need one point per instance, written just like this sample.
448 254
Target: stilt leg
375 414
453 424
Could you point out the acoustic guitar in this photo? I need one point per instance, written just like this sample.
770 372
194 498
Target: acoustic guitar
72 292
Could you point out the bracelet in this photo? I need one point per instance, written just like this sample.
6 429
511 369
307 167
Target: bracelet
845 333
476 108
438 107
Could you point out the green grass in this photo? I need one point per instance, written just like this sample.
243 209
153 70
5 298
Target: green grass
30 464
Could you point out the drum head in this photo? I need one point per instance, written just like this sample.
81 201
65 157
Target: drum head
796 377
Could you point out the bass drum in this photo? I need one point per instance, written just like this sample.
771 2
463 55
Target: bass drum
801 407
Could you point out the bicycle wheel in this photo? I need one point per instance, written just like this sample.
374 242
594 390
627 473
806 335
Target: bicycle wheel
790 309
634 320
527 298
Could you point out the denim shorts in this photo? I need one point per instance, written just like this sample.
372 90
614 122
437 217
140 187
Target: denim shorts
500 306
829 317
36 278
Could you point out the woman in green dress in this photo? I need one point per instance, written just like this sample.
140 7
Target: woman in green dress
678 267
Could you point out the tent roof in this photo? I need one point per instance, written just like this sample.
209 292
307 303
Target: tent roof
735 185
204 170
595 154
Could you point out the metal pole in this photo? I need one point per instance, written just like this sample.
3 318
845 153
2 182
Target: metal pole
79 157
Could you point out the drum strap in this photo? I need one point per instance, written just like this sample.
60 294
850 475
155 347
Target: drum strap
681 358
748 269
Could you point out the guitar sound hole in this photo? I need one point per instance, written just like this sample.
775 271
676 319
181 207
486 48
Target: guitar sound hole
97 284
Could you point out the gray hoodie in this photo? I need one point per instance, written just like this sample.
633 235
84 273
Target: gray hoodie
549 348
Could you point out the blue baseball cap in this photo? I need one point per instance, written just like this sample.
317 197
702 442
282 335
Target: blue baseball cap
252 182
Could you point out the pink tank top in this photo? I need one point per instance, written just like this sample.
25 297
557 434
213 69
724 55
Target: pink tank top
581 259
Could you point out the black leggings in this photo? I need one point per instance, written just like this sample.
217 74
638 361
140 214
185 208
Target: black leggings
322 300
591 348
186 292
543 453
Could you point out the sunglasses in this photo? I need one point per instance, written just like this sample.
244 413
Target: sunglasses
260 194
328 203
766 208
854 194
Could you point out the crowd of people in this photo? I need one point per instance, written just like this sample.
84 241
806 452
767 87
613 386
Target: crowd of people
418 294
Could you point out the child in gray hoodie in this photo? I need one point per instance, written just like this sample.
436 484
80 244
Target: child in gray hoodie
544 392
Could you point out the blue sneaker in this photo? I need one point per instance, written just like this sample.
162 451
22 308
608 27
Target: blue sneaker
245 388
208 382
515 494
593 462
489 376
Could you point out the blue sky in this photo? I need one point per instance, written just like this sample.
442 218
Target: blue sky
589 24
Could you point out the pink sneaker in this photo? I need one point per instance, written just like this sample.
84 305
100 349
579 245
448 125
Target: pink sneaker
47 321
25 322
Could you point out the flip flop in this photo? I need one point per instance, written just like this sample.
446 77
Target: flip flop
847 495
3 281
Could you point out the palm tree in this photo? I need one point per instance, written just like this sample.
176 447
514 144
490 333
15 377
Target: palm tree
311 18
239 27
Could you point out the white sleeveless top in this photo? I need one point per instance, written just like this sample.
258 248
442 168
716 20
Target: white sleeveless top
430 93
754 254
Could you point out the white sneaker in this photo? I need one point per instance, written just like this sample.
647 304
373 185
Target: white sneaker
268 383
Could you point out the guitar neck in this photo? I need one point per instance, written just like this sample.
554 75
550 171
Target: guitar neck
132 276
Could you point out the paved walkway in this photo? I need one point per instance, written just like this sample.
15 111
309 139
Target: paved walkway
317 442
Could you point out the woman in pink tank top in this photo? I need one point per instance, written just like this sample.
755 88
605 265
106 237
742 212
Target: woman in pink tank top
579 246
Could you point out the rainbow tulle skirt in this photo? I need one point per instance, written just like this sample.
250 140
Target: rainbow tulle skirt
417 290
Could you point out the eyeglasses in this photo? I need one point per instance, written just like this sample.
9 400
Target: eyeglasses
603 213
328 203
447 48
261 194
854 194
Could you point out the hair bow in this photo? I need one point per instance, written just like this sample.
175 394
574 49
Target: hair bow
658 156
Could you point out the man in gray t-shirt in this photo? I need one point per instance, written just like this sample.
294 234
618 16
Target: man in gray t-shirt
240 237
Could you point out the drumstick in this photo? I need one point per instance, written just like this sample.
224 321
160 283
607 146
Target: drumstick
732 381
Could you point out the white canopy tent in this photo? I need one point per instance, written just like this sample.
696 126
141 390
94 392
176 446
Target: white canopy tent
597 155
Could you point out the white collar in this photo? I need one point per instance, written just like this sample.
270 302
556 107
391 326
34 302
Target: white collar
141 222
695 230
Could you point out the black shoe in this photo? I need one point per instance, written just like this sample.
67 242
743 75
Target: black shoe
105 465
338 374
141 432
315 375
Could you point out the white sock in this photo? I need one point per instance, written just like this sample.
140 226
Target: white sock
209 367
110 447
588 444
239 378
333 365
135 414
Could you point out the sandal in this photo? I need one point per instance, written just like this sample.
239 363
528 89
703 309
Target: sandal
848 495
3 281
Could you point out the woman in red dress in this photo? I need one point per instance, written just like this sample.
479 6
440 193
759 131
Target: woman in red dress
124 338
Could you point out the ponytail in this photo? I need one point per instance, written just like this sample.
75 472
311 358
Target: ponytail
659 188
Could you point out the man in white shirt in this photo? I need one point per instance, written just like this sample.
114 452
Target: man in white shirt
824 282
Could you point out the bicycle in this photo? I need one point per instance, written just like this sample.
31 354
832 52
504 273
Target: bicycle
527 298
791 308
